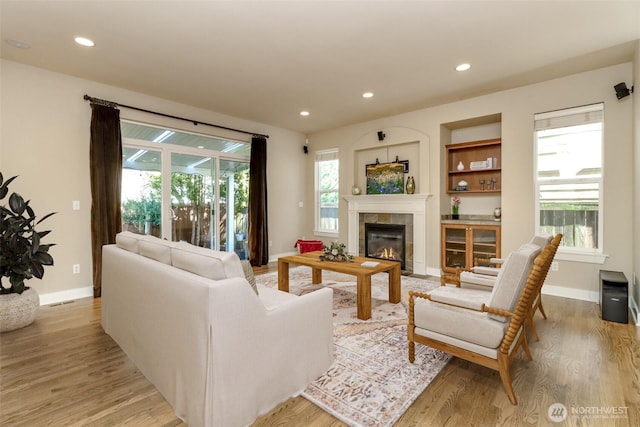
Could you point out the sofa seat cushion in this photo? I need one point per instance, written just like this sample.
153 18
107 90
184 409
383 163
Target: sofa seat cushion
466 325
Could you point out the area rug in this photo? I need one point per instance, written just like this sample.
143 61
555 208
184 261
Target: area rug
371 382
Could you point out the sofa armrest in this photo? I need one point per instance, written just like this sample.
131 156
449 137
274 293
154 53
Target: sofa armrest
266 355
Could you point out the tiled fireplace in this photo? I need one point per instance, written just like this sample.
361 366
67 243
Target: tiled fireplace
407 210
385 237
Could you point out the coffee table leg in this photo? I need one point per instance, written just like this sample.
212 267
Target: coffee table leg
283 275
316 275
364 296
394 284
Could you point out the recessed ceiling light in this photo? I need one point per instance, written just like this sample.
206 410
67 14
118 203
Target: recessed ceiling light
304 113
83 41
17 43
367 95
463 67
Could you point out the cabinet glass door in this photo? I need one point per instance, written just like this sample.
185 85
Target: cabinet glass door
455 247
484 247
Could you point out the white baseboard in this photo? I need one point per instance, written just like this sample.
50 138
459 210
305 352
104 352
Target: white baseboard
434 272
274 258
68 295
579 294
635 312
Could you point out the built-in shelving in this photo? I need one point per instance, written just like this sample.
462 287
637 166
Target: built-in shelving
465 246
479 180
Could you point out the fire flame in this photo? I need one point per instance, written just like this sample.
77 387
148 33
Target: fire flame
388 253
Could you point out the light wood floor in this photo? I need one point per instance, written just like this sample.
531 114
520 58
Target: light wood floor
64 370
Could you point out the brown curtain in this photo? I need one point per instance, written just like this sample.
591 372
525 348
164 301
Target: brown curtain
105 155
258 233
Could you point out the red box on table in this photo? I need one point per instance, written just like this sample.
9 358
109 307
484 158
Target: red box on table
309 245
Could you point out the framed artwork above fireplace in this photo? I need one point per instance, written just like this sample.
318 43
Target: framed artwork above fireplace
385 178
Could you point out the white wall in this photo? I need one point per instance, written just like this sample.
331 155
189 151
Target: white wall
44 138
517 107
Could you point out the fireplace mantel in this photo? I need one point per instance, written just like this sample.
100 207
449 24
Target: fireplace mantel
415 204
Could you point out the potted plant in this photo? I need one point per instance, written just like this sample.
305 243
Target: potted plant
22 257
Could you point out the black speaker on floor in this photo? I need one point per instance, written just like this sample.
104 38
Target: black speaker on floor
614 296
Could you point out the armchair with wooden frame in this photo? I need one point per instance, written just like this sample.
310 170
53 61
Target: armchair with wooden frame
484 278
488 334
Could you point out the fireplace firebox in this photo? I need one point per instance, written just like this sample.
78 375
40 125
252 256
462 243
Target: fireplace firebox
385 241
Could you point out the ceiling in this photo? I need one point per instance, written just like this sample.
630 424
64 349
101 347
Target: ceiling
268 60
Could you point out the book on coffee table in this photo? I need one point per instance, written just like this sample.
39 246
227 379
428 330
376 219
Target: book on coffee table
370 264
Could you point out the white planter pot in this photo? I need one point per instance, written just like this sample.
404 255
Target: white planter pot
18 310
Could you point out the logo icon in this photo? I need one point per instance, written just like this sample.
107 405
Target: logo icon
557 412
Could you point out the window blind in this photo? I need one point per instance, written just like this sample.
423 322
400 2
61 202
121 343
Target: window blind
569 117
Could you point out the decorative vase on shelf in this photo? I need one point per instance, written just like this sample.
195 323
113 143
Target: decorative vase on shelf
355 190
411 185
460 166
497 214
454 212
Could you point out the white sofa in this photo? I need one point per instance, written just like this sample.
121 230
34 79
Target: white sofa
219 354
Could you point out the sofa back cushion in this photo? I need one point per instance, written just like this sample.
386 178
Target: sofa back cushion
155 248
147 246
205 262
512 278
128 241
197 263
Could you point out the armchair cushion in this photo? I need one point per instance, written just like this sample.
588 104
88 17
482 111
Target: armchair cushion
469 278
489 271
461 297
467 325
512 278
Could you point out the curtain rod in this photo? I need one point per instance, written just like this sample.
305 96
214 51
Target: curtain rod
195 122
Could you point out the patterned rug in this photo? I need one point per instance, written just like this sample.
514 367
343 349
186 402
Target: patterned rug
371 382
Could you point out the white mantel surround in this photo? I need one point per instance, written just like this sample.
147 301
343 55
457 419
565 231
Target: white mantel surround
415 204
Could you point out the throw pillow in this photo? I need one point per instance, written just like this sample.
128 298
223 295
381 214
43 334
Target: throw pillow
248 274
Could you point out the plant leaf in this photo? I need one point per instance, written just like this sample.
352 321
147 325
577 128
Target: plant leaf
43 258
16 203
37 269
45 217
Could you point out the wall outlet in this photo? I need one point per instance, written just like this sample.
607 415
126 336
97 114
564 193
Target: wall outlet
555 266
76 205
76 268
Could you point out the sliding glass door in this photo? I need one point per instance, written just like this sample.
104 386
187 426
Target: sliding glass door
234 203
192 197
185 187
141 198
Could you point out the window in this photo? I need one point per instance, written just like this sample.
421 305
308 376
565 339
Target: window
569 172
327 192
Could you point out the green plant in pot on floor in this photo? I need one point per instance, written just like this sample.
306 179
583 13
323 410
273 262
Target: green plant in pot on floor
22 257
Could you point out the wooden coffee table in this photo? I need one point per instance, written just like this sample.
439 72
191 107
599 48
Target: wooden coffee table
312 259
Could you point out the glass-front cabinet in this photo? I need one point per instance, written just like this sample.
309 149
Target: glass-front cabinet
467 245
